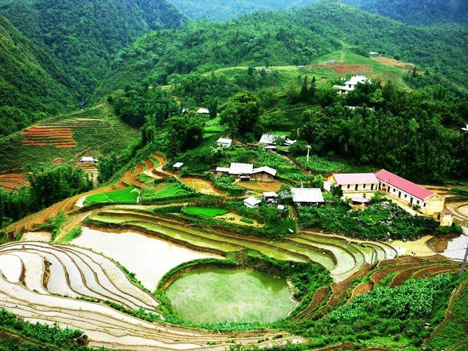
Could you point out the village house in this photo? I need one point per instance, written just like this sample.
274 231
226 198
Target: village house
269 141
89 159
223 142
252 202
350 85
431 204
307 196
270 197
203 111
177 166
352 183
246 171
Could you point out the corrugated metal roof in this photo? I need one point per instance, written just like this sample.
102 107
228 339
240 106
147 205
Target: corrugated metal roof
241 168
403 184
307 195
355 178
252 201
265 169
270 138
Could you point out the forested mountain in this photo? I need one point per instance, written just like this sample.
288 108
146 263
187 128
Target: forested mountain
293 37
84 35
31 84
416 12
220 10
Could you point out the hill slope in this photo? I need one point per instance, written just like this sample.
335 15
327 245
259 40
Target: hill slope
294 37
83 35
31 85
415 12
220 10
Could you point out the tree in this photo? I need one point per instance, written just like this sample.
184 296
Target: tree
303 96
184 133
212 106
241 113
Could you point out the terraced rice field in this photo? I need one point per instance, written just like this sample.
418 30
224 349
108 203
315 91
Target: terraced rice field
147 257
11 181
48 135
343 258
40 282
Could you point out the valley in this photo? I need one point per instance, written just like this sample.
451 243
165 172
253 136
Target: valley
182 175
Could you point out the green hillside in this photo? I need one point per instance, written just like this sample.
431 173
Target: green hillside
84 35
295 37
219 10
31 84
414 12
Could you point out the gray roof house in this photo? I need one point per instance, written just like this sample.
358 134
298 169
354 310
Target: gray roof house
307 196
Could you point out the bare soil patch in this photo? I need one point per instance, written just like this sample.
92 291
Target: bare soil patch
345 68
392 62
261 186
201 185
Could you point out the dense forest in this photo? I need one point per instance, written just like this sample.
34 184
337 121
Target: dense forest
31 84
294 37
414 12
83 36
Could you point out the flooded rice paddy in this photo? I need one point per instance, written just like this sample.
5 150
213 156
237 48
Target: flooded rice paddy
149 258
215 295
456 248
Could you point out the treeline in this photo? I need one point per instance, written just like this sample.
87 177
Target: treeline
46 188
417 135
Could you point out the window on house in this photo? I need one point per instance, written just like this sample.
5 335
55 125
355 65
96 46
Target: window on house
417 202
348 186
405 196
364 186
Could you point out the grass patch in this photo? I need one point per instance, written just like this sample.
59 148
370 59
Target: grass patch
166 190
72 234
206 211
246 220
124 196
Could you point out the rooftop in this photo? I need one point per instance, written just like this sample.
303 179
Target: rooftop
252 201
241 168
355 178
270 138
307 195
178 165
224 141
403 184
265 169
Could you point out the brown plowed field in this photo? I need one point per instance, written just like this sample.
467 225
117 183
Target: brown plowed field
432 271
10 181
47 135
392 62
345 68
361 289
379 275
319 296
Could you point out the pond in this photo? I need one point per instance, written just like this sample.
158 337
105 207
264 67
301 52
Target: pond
216 295
149 258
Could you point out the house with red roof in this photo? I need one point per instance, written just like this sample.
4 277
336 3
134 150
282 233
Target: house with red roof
352 183
430 203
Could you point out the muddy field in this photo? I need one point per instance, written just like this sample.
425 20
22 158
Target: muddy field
345 68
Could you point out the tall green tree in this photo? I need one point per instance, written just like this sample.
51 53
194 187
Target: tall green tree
241 113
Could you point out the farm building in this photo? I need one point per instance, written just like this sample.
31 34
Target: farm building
352 183
177 166
246 170
264 173
412 194
351 84
89 159
223 142
307 196
203 111
270 196
252 202
269 139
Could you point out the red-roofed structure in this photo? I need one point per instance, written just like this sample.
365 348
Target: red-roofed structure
403 184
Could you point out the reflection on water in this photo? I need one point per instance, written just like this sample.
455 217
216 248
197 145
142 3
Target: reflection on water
226 295
456 248
149 258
